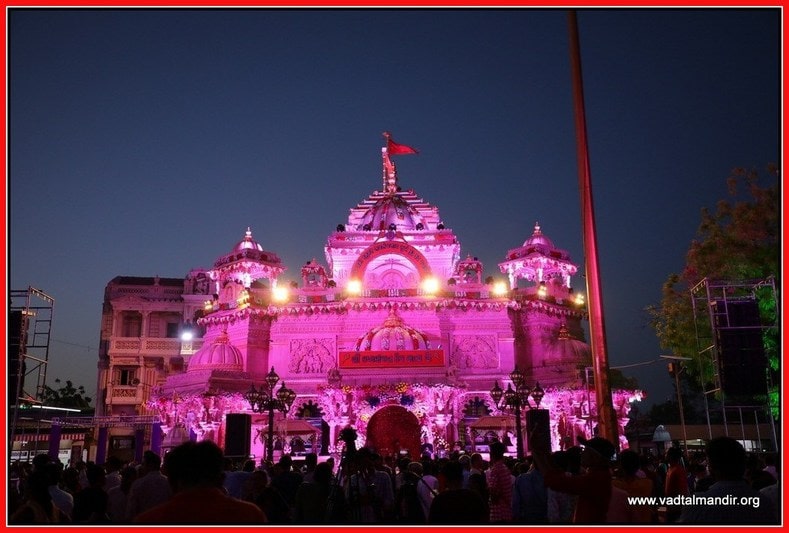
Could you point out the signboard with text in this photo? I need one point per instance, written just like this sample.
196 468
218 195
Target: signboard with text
391 358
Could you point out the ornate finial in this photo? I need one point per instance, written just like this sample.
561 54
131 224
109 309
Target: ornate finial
248 234
564 332
390 171
537 229
393 320
222 338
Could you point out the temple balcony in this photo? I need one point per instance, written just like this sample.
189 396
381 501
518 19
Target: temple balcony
126 394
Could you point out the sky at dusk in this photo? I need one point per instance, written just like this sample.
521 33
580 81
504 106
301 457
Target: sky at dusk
144 142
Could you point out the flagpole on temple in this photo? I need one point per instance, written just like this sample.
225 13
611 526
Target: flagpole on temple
606 418
389 170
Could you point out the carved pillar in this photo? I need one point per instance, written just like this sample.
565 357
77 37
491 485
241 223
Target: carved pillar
117 324
146 318
332 436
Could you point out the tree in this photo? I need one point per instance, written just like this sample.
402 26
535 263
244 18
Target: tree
617 380
740 241
66 396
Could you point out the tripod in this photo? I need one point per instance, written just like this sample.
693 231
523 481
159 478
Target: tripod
336 505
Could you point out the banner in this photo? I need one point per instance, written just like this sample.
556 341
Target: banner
391 358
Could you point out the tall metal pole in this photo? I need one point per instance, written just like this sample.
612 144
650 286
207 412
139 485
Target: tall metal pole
681 410
270 439
605 408
518 430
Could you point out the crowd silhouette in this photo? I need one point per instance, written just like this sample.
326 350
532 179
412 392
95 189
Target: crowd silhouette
585 484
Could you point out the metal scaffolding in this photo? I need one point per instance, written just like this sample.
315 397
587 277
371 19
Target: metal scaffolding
30 327
714 304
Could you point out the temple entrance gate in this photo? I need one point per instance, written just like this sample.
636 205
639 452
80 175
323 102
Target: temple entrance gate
394 428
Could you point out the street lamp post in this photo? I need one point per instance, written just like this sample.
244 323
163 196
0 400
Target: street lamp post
515 399
264 399
675 368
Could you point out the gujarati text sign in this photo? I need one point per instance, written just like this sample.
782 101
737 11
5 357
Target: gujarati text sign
391 358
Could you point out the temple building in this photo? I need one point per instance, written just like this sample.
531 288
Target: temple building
395 334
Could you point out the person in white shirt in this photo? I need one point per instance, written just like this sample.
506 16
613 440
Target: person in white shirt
150 489
426 485
113 469
60 498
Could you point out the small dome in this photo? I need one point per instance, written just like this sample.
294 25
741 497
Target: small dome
538 240
571 349
220 355
247 243
248 249
469 270
391 210
393 335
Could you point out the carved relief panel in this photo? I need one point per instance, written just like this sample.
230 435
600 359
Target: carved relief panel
475 351
311 356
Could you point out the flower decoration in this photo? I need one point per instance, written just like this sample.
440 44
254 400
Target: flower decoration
407 399
373 400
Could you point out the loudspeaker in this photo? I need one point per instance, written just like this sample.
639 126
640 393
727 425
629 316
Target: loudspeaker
238 434
538 418
743 363
17 341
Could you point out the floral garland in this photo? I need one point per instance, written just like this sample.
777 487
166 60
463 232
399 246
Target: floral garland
192 409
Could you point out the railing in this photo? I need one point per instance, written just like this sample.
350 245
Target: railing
163 346
106 421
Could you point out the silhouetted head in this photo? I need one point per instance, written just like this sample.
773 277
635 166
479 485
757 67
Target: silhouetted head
727 458
195 464
496 450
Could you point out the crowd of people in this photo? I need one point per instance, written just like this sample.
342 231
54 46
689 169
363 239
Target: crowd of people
587 484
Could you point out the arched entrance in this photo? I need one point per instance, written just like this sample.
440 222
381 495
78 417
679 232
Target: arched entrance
394 428
404 250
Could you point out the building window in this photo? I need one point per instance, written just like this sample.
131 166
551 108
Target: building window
126 376
132 325
172 330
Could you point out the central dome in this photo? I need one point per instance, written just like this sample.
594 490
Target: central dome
394 334
391 210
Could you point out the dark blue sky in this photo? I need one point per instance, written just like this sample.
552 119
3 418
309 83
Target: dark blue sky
144 142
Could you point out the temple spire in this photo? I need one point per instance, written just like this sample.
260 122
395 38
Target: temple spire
390 171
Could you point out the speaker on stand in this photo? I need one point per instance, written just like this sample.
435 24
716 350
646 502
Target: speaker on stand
238 434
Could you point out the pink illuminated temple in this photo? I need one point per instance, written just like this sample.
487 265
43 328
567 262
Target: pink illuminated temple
394 333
